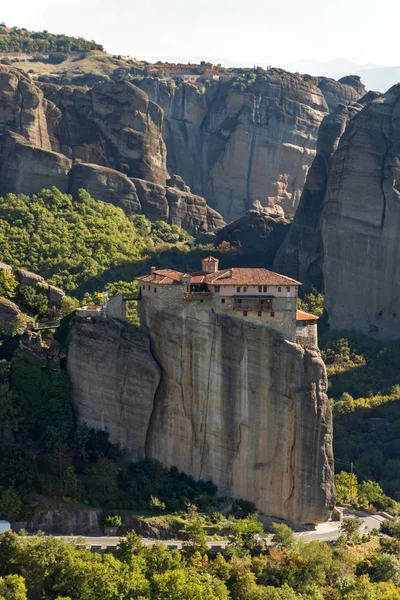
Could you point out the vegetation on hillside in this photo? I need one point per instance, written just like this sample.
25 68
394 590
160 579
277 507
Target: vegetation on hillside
20 40
356 568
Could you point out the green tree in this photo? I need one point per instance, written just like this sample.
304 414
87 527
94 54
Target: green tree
283 536
244 533
351 527
12 587
195 539
103 475
10 505
70 483
8 285
346 488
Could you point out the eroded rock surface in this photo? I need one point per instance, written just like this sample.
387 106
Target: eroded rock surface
114 379
301 255
99 139
361 222
235 142
218 398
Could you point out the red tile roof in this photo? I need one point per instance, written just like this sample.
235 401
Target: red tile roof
303 316
162 276
236 276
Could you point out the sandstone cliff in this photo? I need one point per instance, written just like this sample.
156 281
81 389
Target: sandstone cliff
235 142
217 397
361 222
301 254
103 139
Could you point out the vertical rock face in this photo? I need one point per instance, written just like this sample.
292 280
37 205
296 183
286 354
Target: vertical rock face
23 108
100 139
114 379
301 254
361 222
114 124
237 142
244 407
217 397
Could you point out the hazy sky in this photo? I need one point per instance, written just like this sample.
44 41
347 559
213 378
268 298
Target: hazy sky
235 31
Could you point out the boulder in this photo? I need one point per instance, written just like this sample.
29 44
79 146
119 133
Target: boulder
28 278
55 295
9 312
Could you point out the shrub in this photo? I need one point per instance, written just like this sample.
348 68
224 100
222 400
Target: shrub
113 521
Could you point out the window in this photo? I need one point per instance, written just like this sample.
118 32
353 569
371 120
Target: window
245 289
155 290
245 313
288 289
260 288
216 289
279 289
238 289
201 299
148 287
272 314
265 288
239 301
222 300
259 313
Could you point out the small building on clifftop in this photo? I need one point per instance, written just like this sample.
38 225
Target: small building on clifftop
254 294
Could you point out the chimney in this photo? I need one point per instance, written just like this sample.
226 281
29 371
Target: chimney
209 264
153 269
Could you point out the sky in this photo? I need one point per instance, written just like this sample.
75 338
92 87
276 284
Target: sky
234 32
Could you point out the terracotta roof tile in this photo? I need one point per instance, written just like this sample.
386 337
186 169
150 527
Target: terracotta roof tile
303 316
238 276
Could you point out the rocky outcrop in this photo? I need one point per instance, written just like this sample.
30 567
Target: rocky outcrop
114 379
235 142
26 169
23 108
67 521
114 124
106 185
9 313
217 397
177 207
301 254
97 139
256 236
361 221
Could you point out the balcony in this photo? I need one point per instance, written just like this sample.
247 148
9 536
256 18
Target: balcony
253 303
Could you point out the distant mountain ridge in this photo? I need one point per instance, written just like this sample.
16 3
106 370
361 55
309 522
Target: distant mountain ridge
374 77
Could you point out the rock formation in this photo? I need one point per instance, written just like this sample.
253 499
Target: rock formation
217 397
361 222
257 235
235 142
114 379
301 254
102 139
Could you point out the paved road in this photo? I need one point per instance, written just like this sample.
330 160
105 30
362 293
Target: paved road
325 532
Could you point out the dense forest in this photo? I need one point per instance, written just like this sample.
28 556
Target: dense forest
20 40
